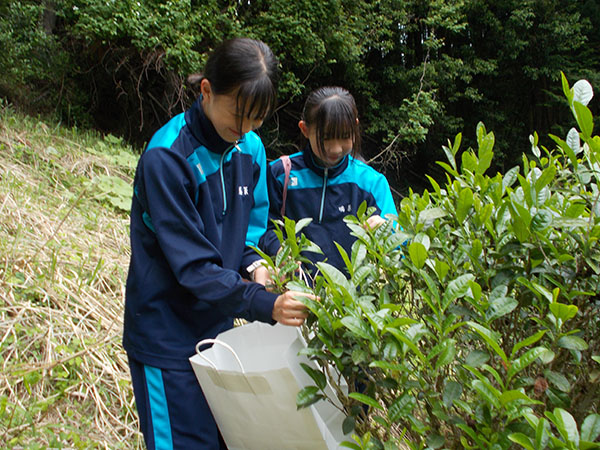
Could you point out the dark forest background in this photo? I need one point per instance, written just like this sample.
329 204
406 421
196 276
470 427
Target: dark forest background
421 70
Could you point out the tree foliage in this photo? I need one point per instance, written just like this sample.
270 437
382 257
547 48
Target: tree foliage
420 70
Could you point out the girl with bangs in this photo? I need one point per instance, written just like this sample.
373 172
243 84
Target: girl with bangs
200 205
326 181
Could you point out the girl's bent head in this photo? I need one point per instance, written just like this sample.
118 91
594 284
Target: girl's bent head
242 75
330 123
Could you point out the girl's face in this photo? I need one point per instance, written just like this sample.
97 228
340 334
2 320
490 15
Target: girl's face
333 151
222 111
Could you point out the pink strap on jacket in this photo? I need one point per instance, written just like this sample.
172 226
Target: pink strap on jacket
287 167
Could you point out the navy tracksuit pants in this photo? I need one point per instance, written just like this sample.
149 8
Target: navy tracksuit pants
172 410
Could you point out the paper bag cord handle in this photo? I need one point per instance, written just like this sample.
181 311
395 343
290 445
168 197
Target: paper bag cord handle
287 167
216 341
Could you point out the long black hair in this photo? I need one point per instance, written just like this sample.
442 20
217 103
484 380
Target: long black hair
247 67
332 110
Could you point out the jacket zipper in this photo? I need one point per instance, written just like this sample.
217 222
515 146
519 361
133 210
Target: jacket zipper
223 156
323 196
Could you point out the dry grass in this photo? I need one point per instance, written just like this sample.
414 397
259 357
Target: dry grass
63 263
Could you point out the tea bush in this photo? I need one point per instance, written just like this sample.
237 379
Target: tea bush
472 319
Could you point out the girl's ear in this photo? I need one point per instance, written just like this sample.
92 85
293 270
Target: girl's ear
303 128
205 89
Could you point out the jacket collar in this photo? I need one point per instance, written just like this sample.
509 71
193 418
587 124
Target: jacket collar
203 129
313 165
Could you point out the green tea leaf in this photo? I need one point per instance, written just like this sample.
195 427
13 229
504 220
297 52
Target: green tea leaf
477 358
582 92
333 275
464 204
528 341
387 365
435 185
566 425
501 307
365 399
324 322
522 440
584 118
358 327
308 396
573 141
541 433
394 241
435 441
401 407
572 343
452 392
469 162
447 353
558 380
409 343
449 156
524 361
485 153
487 392
344 256
362 208
562 311
418 254
317 376
520 229
546 177
361 273
575 210
534 140
457 288
566 89
590 429
348 425
302 223
448 168
359 356
509 178
513 395
430 214
541 220
490 338
565 147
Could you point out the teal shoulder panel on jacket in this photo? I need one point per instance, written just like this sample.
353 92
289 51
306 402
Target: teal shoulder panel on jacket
167 134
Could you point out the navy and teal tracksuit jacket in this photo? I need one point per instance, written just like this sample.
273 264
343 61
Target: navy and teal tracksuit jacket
326 195
199 205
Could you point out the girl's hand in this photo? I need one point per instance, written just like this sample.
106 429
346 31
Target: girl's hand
262 276
289 311
375 221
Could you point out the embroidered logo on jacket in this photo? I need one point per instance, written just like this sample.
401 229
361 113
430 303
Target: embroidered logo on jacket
243 190
343 208
293 181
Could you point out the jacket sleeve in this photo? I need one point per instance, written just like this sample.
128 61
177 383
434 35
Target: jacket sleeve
260 209
383 197
167 192
269 243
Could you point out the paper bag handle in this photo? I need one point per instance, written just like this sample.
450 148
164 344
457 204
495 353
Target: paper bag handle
216 341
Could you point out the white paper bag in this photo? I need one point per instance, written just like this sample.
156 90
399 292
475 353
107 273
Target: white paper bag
250 378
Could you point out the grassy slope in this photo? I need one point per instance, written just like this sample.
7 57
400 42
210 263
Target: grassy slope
64 252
